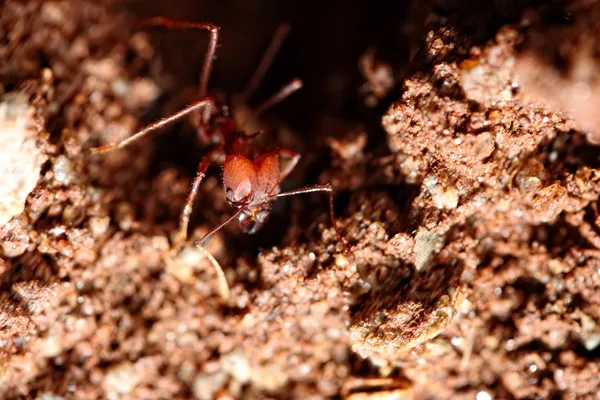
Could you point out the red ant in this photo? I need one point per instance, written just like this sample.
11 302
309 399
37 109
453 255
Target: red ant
251 178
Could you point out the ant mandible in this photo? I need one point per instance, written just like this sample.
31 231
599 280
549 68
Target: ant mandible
251 178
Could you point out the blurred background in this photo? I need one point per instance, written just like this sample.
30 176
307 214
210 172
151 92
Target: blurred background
323 47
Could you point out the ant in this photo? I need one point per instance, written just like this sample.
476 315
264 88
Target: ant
251 177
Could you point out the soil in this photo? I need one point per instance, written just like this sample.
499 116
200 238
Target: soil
461 143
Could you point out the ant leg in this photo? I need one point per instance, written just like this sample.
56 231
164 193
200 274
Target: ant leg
154 126
284 92
184 219
320 188
281 94
293 157
212 45
266 61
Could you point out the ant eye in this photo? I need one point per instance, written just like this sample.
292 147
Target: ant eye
228 192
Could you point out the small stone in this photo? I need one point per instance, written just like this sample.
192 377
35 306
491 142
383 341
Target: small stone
443 198
105 69
141 93
430 183
555 266
51 396
20 159
14 239
446 198
121 378
550 201
51 345
99 225
484 145
269 377
63 171
483 395
206 386
590 337
425 242
236 365
341 261
125 216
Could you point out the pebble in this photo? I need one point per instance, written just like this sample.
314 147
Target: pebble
121 378
20 159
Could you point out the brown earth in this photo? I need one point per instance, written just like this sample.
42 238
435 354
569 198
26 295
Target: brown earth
472 215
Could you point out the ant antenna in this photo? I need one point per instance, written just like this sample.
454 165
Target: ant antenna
266 61
221 279
284 92
212 45
218 227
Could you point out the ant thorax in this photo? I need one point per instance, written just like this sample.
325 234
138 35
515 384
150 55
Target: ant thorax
213 124
217 125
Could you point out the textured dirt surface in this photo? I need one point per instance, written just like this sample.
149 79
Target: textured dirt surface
467 187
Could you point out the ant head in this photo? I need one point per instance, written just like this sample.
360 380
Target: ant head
239 180
241 183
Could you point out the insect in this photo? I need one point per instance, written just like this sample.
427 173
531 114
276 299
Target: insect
251 176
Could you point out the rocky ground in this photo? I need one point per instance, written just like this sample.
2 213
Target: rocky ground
462 146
